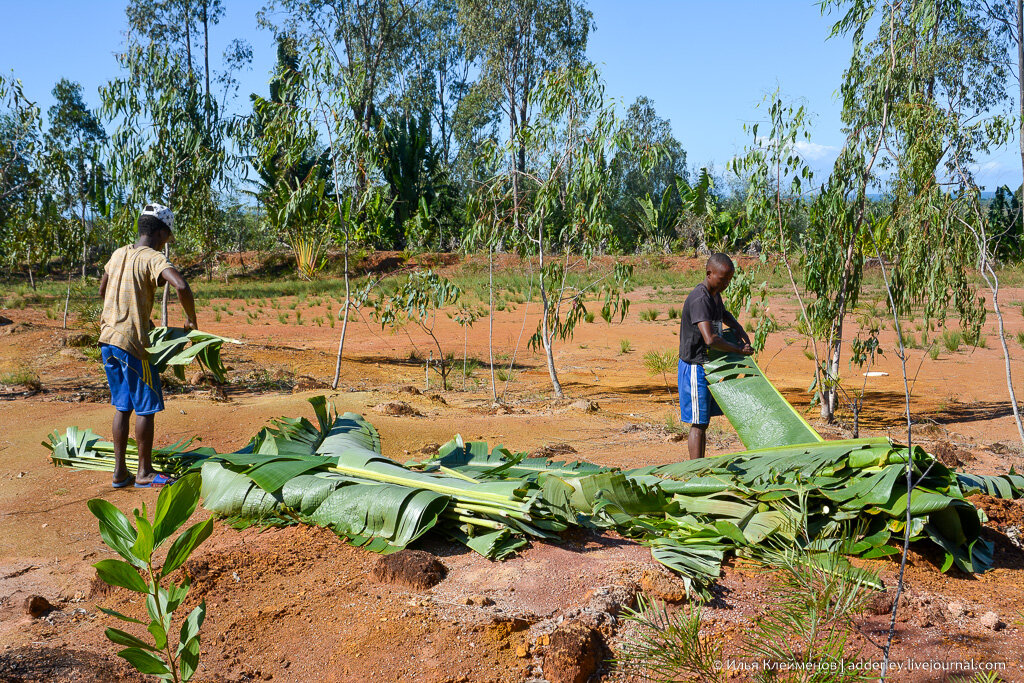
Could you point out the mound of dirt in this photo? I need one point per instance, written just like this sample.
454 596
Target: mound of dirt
397 409
413 568
951 455
1001 512
553 451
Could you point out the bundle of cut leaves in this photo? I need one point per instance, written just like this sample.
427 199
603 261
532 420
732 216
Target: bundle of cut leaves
83 449
693 515
175 348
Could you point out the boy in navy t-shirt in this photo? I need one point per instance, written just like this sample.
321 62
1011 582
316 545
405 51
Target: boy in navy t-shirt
700 328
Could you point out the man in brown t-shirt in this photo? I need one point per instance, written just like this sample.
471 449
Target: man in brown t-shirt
130 280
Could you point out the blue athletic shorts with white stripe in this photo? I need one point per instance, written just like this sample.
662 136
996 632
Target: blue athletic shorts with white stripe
133 384
696 405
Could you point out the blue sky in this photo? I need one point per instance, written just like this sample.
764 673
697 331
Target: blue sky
706 65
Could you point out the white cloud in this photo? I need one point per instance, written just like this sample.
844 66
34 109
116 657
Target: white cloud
806 150
812 151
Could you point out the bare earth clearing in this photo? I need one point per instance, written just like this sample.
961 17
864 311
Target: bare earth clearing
297 604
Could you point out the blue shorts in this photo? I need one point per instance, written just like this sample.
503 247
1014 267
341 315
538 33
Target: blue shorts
696 405
133 384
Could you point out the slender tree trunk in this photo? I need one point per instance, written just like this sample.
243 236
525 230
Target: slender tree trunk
1020 88
344 321
994 285
830 394
85 237
490 317
206 52
67 301
546 334
167 293
28 262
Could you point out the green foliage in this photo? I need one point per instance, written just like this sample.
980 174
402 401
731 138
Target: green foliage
661 363
667 646
419 300
24 377
625 346
159 653
649 315
746 295
673 313
809 619
811 602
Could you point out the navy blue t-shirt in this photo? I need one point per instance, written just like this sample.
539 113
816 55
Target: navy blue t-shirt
700 305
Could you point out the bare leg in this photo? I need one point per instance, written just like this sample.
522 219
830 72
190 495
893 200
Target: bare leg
144 439
120 432
697 441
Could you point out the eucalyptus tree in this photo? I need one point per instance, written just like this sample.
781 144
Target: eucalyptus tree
1006 24
20 177
561 215
172 139
920 100
517 42
638 193
927 60
73 159
367 41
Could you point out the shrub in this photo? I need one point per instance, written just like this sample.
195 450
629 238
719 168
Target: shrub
589 317
625 346
933 353
951 339
650 315
673 313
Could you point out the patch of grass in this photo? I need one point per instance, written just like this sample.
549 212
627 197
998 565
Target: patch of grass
589 317
282 318
673 313
505 374
951 340
625 346
674 426
23 377
933 353
649 315
975 339
1020 338
298 317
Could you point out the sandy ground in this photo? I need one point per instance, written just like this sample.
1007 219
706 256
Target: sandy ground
297 604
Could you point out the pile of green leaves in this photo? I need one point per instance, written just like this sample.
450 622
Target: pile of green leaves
693 515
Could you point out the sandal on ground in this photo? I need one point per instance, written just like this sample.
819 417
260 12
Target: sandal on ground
127 481
158 481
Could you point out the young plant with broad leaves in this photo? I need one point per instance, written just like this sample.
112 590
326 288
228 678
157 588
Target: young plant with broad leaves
166 654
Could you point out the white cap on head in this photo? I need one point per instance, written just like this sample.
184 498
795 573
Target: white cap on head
161 213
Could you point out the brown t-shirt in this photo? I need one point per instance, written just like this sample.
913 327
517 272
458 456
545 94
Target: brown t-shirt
132 274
